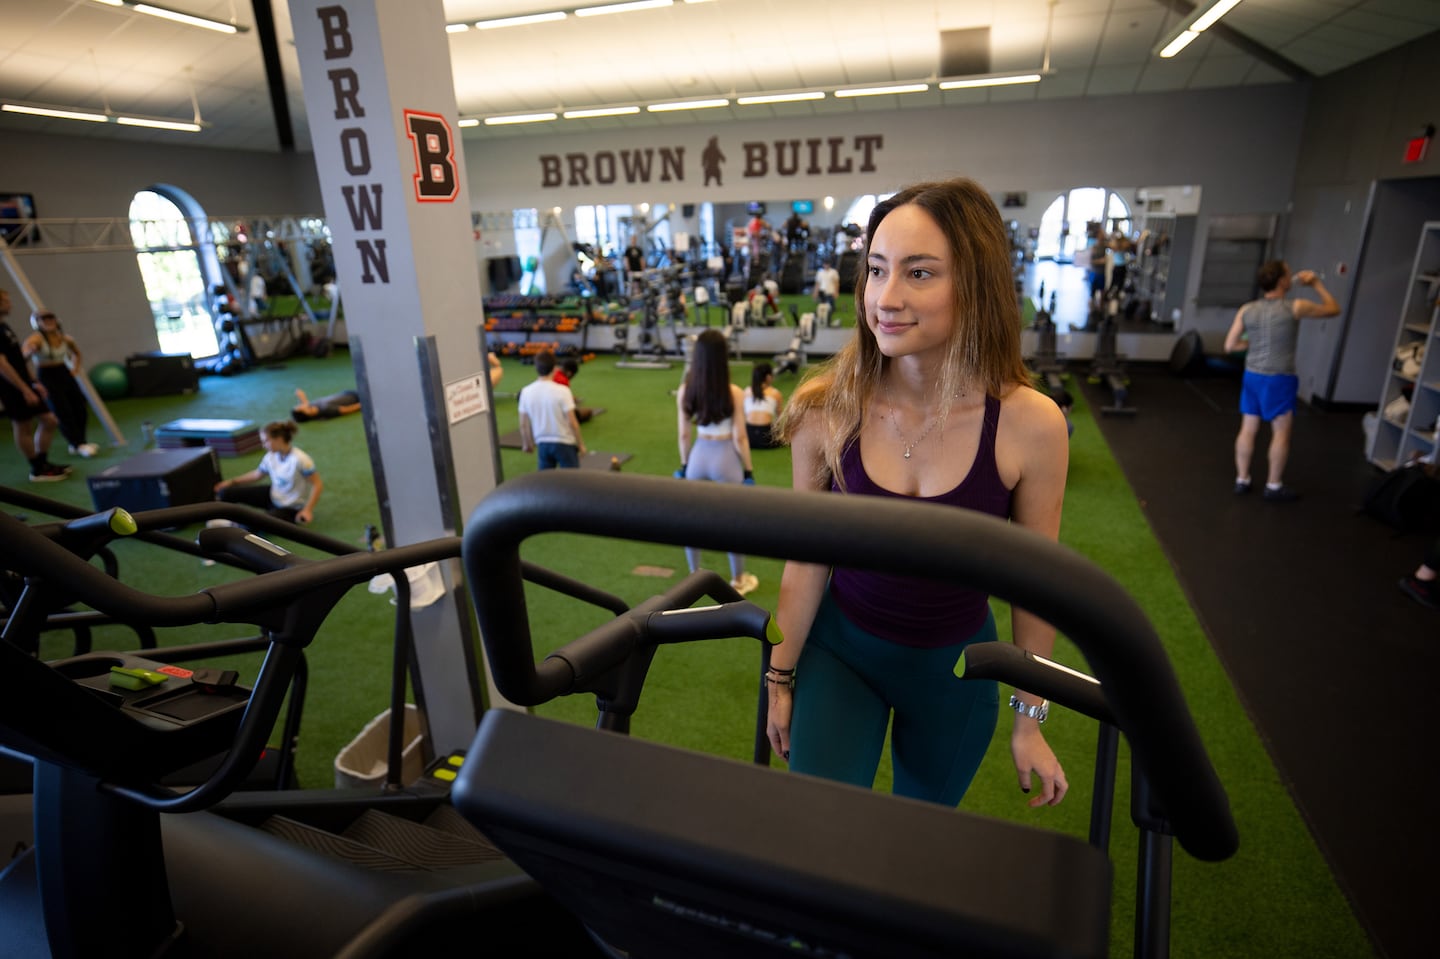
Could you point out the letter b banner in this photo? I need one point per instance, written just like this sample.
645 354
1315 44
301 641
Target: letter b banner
435 177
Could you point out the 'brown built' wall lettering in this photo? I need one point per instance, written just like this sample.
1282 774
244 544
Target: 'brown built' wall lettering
784 158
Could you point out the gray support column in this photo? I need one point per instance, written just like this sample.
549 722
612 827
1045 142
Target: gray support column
380 98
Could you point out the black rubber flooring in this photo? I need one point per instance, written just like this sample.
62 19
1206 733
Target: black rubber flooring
1335 666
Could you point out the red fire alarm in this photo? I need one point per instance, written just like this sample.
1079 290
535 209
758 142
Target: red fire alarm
1418 144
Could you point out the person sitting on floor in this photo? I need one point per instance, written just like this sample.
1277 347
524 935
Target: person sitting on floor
294 485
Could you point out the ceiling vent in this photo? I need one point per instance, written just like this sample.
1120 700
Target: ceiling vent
965 53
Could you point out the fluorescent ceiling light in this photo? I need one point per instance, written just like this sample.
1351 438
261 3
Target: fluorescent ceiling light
456 27
90 116
599 112
1002 81
1208 18
57 114
877 91
780 98
1178 44
469 122
601 11
1200 19
519 118
182 125
519 21
687 105
188 19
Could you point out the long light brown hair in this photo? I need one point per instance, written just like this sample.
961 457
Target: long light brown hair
705 395
984 345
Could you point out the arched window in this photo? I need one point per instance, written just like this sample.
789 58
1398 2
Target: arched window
859 211
178 270
1062 225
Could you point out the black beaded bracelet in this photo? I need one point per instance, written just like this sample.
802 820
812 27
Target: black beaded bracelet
782 672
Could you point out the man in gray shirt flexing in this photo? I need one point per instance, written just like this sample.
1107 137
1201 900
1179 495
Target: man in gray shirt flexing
1270 327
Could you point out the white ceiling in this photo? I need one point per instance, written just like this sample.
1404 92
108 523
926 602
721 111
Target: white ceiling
79 53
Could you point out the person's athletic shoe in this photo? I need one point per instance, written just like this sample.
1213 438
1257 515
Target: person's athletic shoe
1281 494
49 473
1423 592
746 583
1242 487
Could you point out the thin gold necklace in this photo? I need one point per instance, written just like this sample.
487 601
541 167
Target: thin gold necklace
895 422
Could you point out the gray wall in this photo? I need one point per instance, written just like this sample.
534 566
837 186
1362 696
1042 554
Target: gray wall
1240 145
1357 204
100 296
1151 139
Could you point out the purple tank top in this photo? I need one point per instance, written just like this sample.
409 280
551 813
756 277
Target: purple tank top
918 612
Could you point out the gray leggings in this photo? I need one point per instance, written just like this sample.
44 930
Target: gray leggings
718 462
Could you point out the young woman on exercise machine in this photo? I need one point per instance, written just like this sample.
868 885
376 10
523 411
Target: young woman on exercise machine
930 400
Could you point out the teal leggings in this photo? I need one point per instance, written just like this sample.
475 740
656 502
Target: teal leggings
848 682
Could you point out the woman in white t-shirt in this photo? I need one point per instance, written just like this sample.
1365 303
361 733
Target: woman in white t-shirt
294 484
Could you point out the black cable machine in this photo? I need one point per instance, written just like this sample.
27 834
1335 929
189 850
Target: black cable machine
125 866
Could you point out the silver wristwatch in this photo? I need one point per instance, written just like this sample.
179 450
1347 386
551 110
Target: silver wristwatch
1038 713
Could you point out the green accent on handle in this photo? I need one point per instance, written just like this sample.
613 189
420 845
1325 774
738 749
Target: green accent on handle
130 678
123 524
773 636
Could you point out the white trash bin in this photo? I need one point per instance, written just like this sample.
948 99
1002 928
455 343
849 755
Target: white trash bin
362 763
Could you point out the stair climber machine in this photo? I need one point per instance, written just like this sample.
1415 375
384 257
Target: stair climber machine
795 358
125 865
1107 366
1047 362
664 852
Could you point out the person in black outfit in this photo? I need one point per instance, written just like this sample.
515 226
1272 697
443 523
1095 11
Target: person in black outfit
634 267
326 407
24 403
55 357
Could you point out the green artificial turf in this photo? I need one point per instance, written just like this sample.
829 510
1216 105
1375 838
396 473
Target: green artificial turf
1276 897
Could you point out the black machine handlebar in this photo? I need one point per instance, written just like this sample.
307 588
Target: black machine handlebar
27 551
1010 664
290 596
912 539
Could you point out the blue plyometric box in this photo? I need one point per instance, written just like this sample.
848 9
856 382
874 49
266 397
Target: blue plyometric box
156 479
225 437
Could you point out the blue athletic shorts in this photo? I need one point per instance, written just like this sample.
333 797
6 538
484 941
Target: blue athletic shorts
1268 395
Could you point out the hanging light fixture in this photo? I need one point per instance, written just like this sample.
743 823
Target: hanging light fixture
176 16
1184 33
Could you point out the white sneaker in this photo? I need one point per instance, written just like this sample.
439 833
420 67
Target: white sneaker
86 450
746 583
